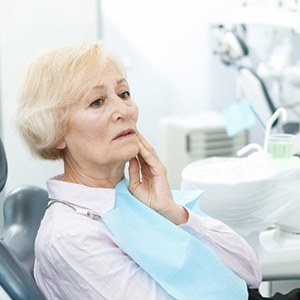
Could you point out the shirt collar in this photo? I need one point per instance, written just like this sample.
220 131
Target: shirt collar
99 200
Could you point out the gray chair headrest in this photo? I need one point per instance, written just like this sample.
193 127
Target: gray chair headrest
3 166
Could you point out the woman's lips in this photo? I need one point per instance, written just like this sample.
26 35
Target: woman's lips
124 133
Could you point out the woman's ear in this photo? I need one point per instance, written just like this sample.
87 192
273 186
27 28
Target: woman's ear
60 144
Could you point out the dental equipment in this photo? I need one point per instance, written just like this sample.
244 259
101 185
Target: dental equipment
245 150
280 112
232 49
231 46
251 87
183 139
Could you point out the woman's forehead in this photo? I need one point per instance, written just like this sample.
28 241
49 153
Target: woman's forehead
112 67
110 72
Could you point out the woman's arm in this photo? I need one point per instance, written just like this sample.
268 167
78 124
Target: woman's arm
148 182
228 245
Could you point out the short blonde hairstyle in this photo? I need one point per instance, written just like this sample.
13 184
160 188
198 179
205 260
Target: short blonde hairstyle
55 79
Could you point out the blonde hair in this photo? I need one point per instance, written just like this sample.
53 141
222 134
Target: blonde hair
55 79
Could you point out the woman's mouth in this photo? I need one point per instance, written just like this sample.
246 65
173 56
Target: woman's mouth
124 134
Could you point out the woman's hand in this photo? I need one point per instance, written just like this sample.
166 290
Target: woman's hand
148 182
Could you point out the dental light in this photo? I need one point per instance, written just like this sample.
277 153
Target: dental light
230 44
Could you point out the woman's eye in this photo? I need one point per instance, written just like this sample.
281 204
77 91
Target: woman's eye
97 103
124 95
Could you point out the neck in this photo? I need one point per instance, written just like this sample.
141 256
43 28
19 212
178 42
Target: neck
104 176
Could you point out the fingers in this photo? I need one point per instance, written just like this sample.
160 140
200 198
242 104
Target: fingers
149 160
147 152
144 142
134 172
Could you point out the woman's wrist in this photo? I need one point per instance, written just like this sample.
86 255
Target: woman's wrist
177 214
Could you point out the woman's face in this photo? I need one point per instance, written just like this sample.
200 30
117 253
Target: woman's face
102 125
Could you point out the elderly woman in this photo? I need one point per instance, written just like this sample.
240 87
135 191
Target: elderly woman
76 106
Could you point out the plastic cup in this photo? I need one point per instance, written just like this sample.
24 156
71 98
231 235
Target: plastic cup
281 146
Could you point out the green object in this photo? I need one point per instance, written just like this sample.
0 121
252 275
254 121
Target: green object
281 146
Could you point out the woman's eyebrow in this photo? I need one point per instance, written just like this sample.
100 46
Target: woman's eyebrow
121 80
101 86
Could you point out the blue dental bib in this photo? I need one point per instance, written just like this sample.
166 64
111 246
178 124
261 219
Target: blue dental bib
185 267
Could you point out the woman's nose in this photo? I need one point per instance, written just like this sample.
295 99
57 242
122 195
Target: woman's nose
121 109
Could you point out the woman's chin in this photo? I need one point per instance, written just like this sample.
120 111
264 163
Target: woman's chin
131 153
134 154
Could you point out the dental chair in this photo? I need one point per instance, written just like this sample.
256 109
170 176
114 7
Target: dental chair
3 166
23 209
